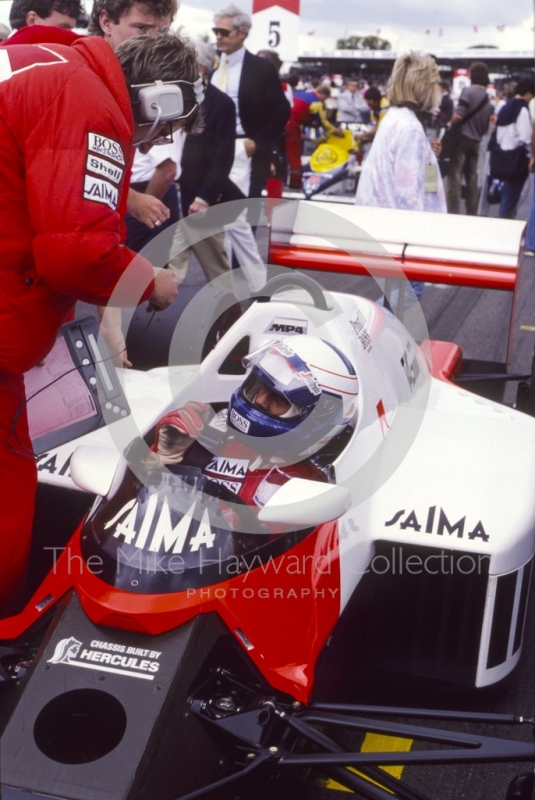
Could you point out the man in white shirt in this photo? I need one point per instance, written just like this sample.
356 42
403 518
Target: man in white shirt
262 111
253 84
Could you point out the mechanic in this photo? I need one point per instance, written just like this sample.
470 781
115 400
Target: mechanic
318 111
290 418
62 182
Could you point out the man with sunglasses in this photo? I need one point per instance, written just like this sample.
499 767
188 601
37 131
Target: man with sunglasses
262 109
69 117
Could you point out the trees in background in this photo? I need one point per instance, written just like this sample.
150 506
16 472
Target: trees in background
363 43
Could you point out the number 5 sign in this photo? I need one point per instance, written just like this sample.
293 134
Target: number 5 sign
275 27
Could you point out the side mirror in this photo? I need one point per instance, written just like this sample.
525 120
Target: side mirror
93 468
302 502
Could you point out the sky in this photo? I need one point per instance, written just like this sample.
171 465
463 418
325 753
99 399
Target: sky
403 22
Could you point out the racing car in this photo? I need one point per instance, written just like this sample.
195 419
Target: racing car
179 626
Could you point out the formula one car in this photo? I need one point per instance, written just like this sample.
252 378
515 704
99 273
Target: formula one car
180 627
334 165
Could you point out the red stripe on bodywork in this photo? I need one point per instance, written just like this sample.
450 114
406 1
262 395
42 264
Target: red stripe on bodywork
459 274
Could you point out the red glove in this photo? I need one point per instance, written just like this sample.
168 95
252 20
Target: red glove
178 430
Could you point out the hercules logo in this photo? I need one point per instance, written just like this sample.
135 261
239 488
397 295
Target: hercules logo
65 650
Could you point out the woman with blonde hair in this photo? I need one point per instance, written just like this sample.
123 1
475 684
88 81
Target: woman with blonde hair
401 169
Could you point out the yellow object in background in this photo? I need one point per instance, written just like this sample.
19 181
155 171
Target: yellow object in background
332 153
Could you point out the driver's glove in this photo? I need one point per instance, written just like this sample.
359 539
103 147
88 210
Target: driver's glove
178 430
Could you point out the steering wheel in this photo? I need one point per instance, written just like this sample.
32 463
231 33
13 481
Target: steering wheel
296 280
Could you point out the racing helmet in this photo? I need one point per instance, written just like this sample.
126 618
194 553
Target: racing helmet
317 389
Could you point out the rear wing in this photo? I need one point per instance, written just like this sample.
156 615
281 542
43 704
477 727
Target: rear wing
479 252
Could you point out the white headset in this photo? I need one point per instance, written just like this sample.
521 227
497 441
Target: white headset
164 101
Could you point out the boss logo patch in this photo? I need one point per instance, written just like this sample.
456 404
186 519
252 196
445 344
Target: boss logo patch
105 147
240 422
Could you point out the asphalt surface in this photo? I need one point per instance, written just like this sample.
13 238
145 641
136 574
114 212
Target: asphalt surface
479 321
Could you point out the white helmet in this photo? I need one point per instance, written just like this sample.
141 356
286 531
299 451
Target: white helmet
319 384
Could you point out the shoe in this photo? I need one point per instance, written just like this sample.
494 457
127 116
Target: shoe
529 252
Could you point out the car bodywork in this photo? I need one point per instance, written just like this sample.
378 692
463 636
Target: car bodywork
414 539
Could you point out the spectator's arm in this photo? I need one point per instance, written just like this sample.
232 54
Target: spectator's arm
163 178
146 208
223 155
409 170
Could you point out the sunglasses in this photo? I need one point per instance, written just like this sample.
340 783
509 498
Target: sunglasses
221 32
165 136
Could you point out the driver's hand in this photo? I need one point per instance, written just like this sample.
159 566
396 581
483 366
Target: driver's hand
178 430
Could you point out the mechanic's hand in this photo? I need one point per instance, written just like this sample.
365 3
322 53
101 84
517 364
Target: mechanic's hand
436 147
197 206
338 132
165 290
250 147
178 430
111 330
147 209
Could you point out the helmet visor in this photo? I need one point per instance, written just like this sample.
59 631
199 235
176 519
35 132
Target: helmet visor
286 374
273 403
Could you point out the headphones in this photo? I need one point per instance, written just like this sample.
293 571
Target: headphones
165 101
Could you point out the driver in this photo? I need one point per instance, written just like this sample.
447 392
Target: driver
290 418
